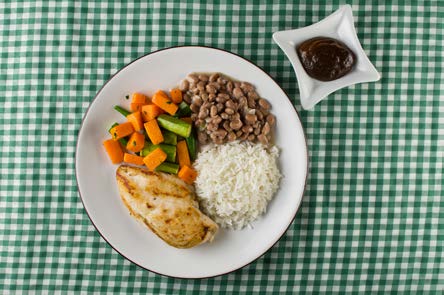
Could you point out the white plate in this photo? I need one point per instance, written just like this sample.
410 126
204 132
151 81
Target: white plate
96 175
338 25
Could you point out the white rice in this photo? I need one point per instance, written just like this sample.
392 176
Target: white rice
236 181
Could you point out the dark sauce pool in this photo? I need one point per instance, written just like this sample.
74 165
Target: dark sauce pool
326 59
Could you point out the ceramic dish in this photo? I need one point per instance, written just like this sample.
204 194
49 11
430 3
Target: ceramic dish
96 175
338 25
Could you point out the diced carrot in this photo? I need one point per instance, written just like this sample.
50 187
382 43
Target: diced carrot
135 107
153 131
154 159
132 159
187 119
187 174
150 112
114 150
136 119
122 130
176 95
139 98
164 102
136 142
182 154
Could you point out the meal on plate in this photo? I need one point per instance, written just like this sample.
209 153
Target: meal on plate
199 157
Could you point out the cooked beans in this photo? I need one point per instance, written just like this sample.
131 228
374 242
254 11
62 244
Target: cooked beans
226 110
213 111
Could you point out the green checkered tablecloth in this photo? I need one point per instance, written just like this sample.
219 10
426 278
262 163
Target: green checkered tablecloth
372 219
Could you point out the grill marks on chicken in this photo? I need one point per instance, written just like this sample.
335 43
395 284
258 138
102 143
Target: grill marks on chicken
166 205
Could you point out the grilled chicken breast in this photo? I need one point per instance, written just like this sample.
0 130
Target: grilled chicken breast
165 204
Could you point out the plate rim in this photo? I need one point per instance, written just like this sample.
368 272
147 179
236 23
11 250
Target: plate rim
169 48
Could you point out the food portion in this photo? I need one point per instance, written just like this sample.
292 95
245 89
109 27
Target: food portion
224 110
166 205
150 134
326 59
236 181
213 133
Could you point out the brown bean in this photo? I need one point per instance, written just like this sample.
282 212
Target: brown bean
184 85
221 80
187 98
206 105
214 77
203 113
202 137
229 111
197 100
226 125
251 103
253 95
212 127
231 136
259 115
251 137
263 139
203 77
215 85
198 122
219 107
192 78
266 129
236 116
243 136
213 111
222 97
195 90
221 133
224 115
247 129
193 117
211 89
211 97
237 93
250 118
201 85
216 120
271 119
257 131
218 140
230 87
243 101
237 84
194 108
239 133
231 104
247 87
264 104
236 124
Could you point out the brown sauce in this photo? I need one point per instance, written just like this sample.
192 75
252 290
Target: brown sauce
326 59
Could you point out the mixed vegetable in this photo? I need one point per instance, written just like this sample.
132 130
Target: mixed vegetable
158 134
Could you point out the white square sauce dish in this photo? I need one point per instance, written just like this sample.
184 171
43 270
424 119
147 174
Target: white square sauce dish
338 25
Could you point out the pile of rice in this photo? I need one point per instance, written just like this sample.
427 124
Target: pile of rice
236 181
